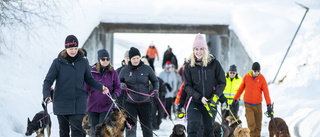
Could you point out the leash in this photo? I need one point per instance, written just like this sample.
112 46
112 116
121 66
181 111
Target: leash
148 96
233 115
187 107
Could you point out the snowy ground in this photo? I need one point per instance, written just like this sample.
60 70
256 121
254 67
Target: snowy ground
264 27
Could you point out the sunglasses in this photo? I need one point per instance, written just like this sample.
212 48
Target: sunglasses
256 70
103 59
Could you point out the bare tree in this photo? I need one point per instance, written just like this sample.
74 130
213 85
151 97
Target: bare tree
27 15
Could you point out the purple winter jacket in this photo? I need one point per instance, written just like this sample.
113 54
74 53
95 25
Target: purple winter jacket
98 102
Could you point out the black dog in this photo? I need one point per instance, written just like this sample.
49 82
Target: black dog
37 125
178 131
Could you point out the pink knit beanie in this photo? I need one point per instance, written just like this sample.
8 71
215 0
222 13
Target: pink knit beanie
200 42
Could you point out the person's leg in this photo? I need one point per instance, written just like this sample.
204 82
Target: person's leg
160 114
94 120
144 113
258 120
154 116
151 63
193 120
169 106
250 119
63 125
103 116
132 109
76 125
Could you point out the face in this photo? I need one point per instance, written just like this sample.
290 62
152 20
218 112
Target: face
126 60
198 52
72 52
105 61
168 68
232 74
135 60
255 73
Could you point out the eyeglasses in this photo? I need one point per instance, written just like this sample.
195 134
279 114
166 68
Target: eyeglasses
256 70
103 59
232 72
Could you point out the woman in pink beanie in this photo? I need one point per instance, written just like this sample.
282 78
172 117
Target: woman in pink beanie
204 82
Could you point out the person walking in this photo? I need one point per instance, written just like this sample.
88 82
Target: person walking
124 63
169 77
254 84
99 105
233 82
136 76
151 55
69 71
204 81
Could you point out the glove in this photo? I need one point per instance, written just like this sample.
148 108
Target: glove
114 96
234 103
180 113
223 99
214 99
269 110
156 94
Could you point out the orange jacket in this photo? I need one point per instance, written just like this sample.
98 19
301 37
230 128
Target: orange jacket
254 89
151 52
176 102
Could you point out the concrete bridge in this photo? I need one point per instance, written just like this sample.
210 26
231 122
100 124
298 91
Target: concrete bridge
222 42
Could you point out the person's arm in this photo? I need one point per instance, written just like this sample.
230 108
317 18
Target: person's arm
88 78
240 89
50 78
154 80
265 90
221 79
188 84
157 53
116 84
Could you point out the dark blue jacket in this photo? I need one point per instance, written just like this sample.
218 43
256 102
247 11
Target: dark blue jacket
69 96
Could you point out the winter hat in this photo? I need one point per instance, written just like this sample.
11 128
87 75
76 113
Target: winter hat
233 68
126 54
200 42
71 41
133 52
168 62
255 66
102 53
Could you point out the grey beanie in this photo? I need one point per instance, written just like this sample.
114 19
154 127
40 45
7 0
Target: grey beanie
126 54
233 68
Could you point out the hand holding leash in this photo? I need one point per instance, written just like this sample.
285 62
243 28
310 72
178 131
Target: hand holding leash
105 90
48 100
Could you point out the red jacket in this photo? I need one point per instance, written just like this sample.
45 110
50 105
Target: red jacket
254 89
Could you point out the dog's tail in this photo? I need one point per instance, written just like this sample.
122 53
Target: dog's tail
97 132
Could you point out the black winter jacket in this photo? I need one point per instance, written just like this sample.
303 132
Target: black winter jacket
137 78
201 81
69 96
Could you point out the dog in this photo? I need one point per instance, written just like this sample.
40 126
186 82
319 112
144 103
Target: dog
222 130
283 130
37 125
178 131
86 125
236 127
114 125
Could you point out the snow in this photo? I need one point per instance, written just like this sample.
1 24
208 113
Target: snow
265 28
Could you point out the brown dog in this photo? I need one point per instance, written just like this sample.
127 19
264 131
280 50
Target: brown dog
283 130
178 131
241 132
114 125
86 125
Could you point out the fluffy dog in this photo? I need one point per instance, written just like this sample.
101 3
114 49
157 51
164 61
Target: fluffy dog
178 131
37 125
114 125
86 125
283 130
241 132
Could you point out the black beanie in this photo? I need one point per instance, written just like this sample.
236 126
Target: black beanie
71 41
233 68
102 53
134 52
255 66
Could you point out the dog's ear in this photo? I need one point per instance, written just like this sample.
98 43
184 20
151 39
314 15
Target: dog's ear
29 121
115 109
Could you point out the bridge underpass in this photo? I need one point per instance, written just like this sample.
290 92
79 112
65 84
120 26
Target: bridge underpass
222 42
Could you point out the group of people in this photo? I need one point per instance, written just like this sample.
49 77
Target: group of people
83 89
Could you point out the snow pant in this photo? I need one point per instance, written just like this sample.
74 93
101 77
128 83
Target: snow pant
143 110
226 113
168 106
96 118
73 121
254 119
157 114
151 63
195 111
